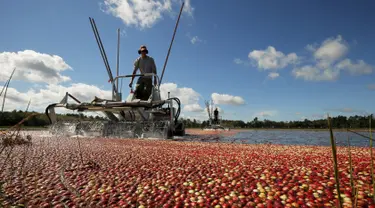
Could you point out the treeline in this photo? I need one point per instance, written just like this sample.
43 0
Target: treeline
337 122
39 120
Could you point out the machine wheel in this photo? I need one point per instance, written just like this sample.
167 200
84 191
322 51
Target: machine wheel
179 129
170 134
167 131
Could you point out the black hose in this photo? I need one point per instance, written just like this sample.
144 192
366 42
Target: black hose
179 108
46 111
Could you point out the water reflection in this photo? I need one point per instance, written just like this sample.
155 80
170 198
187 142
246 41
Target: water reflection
297 137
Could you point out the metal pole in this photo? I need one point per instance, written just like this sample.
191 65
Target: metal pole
212 108
6 90
6 83
170 46
118 57
28 105
100 45
104 56
169 93
3 87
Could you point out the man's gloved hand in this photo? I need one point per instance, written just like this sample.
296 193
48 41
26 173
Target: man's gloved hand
130 84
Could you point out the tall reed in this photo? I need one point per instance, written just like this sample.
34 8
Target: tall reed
351 167
372 159
333 145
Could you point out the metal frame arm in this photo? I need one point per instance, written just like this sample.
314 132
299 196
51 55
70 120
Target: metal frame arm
139 75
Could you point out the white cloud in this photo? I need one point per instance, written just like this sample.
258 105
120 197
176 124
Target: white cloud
319 116
198 115
313 73
330 51
241 62
195 40
311 47
226 99
41 98
188 8
123 33
371 86
201 115
355 69
34 67
238 61
189 99
328 63
143 13
214 106
264 114
347 110
193 108
273 75
186 95
272 59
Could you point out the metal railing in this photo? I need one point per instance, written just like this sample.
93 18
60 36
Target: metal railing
118 95
155 76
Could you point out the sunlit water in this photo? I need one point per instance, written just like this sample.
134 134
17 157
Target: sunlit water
293 137
298 137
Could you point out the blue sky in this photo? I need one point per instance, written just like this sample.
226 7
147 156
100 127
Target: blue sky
277 60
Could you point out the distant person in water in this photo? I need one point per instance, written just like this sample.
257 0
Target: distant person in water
145 64
216 116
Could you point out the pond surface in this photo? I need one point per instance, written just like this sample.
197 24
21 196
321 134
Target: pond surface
299 137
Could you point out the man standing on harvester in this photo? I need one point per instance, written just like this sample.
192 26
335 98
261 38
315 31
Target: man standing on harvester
145 64
216 116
